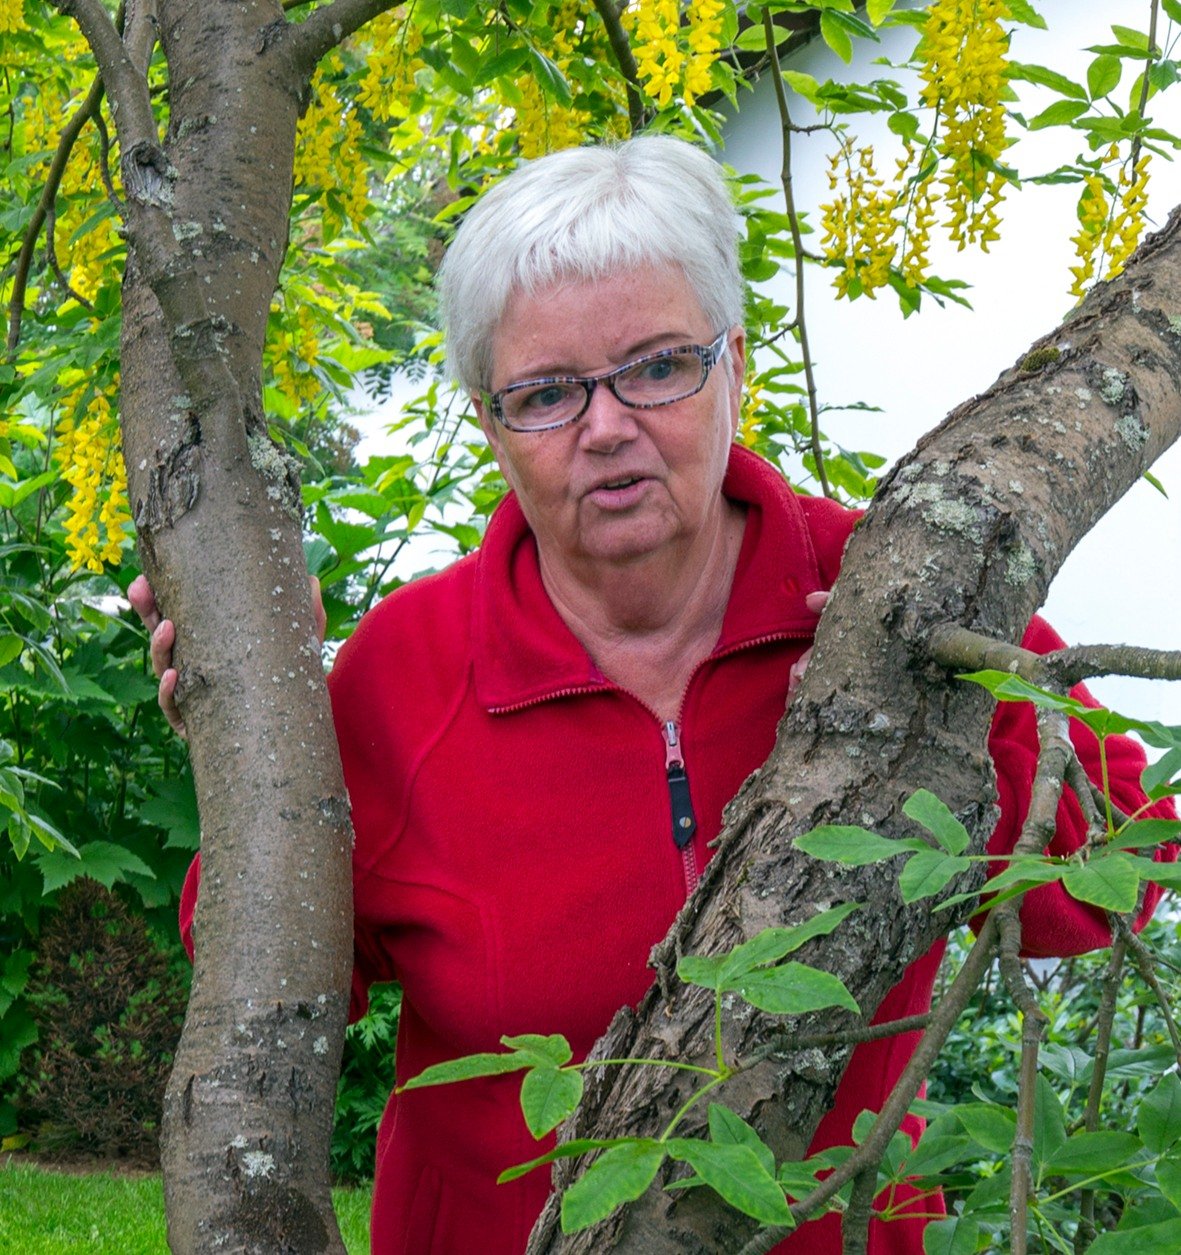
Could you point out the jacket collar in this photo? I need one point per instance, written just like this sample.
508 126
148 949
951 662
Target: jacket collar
523 651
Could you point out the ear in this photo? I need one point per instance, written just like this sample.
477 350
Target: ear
734 365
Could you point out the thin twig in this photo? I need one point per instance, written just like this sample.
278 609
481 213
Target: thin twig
1144 965
845 1037
1153 56
621 50
855 1222
1055 751
51 257
943 1020
797 243
1085 1233
104 160
1080 662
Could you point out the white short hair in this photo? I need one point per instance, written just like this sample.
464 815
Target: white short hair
584 214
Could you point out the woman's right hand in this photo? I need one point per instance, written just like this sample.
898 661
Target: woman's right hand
163 638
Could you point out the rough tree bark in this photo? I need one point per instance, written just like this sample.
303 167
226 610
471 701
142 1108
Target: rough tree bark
968 529
248 1116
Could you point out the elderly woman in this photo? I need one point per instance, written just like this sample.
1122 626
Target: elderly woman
538 742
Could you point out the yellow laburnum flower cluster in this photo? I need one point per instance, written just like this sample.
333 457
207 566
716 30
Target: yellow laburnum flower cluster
1109 229
91 460
328 147
296 349
673 60
393 60
542 124
964 69
12 16
752 403
860 222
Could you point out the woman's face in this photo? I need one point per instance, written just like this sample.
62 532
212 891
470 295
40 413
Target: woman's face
619 484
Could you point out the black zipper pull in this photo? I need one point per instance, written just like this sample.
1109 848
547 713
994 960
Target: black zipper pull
684 821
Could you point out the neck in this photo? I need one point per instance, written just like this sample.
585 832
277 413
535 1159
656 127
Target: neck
648 622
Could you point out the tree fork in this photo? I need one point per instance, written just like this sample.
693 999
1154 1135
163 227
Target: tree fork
968 529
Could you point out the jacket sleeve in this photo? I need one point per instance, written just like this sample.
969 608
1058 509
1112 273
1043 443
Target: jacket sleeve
1053 924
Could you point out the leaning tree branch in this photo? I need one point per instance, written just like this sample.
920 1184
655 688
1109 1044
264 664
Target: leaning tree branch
124 81
1081 662
621 50
1144 964
327 27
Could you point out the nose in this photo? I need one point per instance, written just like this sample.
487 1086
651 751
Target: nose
607 422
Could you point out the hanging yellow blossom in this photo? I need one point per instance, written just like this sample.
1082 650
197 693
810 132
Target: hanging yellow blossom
964 70
392 63
859 222
752 404
705 42
295 352
1109 229
328 147
91 461
12 16
655 25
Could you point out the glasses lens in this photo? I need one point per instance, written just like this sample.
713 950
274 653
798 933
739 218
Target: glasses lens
661 379
542 404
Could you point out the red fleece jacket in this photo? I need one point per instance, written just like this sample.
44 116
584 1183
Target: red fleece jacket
515 859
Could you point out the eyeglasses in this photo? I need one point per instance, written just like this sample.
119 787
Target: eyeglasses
655 379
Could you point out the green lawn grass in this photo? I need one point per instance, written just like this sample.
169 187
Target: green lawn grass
57 1213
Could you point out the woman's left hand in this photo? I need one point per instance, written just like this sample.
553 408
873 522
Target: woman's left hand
816 603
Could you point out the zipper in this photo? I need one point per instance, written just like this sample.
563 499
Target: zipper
684 822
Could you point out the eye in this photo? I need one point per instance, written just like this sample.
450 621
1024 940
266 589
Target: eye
658 370
547 396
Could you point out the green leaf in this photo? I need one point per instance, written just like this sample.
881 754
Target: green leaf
1049 1126
548 1096
935 815
934 1154
173 807
736 1173
1154 1239
1022 11
878 10
1103 75
1172 8
1143 833
836 36
728 1128
1160 773
618 1176
10 648
1168 1178
467 1068
1129 37
1085 1154
794 989
802 84
988 1125
854 847
957 1235
1041 76
927 872
1060 113
551 80
1111 883
1158 1117
575 1148
100 860
773 944
553 1049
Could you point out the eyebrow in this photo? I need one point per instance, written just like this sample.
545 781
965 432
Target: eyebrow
651 344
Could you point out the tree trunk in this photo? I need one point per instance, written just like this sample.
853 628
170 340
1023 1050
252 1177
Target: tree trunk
248 1112
969 528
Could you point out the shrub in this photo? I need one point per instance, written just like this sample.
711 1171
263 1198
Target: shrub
108 1003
